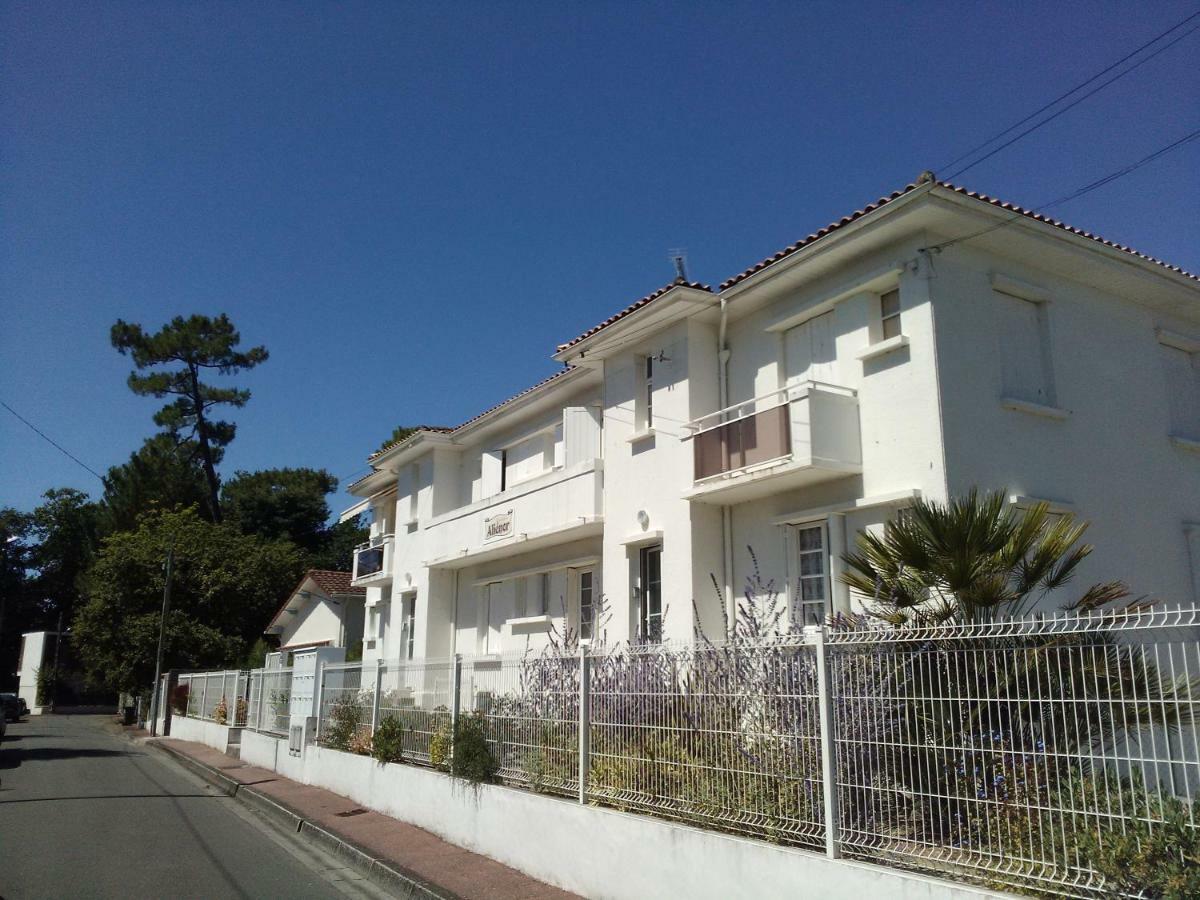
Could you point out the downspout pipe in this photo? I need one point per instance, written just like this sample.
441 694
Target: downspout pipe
723 354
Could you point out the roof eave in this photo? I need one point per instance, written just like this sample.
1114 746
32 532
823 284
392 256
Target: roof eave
677 302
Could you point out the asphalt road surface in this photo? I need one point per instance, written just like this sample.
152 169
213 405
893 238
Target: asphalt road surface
85 813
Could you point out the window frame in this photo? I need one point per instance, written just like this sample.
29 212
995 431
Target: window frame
645 631
408 624
886 318
798 607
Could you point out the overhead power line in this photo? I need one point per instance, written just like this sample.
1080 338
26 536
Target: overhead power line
1080 191
1033 115
57 446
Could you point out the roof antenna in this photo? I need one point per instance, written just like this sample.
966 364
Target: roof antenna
679 258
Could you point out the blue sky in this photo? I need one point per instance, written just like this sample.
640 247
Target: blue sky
411 204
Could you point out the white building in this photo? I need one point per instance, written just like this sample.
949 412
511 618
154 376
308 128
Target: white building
324 610
934 341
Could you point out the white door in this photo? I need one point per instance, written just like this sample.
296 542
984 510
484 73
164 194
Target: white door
810 352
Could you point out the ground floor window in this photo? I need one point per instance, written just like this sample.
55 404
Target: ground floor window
811 597
587 604
408 625
650 593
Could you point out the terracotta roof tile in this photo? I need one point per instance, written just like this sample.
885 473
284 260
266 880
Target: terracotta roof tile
883 201
1012 207
328 580
678 282
332 582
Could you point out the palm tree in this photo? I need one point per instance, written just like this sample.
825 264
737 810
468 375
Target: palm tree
973 559
986 734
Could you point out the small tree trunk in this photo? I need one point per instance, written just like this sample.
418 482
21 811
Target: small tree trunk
210 470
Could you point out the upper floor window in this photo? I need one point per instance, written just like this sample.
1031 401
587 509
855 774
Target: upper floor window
889 314
1180 355
643 403
408 625
1023 341
809 351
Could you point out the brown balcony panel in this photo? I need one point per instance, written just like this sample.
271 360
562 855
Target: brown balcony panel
745 442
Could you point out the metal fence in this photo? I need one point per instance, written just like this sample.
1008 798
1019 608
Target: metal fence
1016 754
213 696
1020 752
268 700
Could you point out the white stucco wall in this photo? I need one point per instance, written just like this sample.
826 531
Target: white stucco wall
1110 458
574 847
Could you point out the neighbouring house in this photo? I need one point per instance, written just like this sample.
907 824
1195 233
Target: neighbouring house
933 341
324 610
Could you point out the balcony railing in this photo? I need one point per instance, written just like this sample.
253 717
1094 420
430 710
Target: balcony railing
371 560
809 431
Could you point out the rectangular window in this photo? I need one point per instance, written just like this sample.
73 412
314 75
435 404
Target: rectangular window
492 616
812 593
587 605
889 314
1023 340
1183 391
524 460
414 490
541 602
650 589
810 351
408 626
643 398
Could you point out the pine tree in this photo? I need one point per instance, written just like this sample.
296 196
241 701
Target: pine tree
190 347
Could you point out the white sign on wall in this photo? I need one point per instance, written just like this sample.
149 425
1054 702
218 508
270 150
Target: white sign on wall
498 526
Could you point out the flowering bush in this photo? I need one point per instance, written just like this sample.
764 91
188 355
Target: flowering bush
221 712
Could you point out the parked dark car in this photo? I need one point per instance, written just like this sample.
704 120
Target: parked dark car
14 707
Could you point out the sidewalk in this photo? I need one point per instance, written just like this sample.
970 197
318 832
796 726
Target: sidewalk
448 869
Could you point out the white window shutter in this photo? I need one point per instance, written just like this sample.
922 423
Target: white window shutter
581 434
1021 350
490 474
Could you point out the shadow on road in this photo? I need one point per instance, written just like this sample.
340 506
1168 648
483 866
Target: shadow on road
12 757
112 797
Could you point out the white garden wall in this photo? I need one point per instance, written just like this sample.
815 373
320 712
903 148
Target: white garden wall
598 853
202 732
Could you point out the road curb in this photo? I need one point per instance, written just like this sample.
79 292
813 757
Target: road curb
406 886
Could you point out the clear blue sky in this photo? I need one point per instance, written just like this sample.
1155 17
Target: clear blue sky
410 204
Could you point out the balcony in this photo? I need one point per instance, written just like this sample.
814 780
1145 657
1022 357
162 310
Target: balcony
803 434
560 506
373 561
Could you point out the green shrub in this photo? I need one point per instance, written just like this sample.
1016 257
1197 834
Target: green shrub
473 759
1159 860
440 745
389 741
344 720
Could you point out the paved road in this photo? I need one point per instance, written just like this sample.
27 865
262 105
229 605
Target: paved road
84 813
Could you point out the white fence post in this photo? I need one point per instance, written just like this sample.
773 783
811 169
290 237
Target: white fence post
455 702
585 718
317 694
828 750
375 696
204 699
262 698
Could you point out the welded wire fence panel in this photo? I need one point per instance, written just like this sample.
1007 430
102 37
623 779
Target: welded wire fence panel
723 737
213 696
276 694
254 697
1019 753
417 696
346 703
527 710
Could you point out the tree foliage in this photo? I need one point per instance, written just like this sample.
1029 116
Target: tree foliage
399 433
162 474
225 585
189 348
66 530
970 560
280 503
